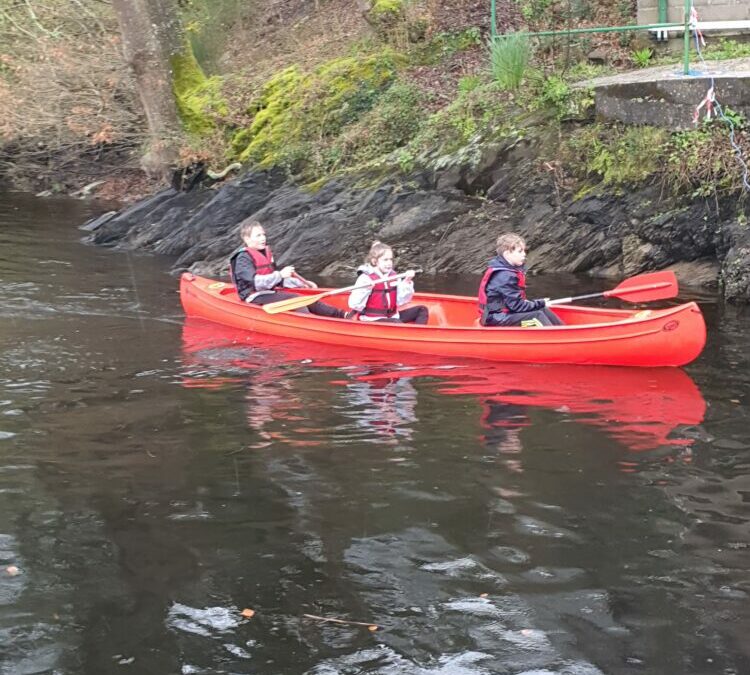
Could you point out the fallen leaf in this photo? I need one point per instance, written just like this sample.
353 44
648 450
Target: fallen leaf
248 613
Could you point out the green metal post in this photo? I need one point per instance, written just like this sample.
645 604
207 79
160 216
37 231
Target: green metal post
493 19
686 40
662 11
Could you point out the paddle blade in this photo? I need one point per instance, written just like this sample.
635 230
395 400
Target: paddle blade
646 287
292 303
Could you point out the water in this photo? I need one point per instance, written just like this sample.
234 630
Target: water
159 476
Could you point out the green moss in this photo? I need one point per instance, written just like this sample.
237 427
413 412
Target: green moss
387 17
391 124
381 8
444 45
480 111
618 155
199 99
298 114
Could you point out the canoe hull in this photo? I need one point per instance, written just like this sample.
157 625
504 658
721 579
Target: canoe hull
665 337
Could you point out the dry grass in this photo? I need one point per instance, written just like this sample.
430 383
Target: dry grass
289 32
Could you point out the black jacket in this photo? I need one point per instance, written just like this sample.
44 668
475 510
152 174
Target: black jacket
243 273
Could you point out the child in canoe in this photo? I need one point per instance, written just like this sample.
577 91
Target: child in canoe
374 299
502 291
257 279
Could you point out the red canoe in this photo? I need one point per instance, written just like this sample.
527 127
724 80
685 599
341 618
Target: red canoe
654 337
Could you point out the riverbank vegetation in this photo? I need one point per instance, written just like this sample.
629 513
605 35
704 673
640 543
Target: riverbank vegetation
324 87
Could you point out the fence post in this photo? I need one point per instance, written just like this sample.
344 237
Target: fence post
686 40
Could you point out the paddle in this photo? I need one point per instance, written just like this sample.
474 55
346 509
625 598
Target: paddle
305 300
641 288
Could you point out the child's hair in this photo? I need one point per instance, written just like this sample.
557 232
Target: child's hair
247 226
376 250
509 241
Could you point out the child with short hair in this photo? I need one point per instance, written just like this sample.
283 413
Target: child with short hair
502 291
374 299
258 280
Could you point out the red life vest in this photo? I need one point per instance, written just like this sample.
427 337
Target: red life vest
498 305
382 298
262 260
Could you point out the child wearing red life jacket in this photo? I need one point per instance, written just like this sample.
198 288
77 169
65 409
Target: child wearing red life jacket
502 291
376 300
257 279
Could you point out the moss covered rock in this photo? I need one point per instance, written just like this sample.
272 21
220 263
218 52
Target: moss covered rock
199 99
297 114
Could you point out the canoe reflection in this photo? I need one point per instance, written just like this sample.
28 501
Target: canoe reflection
641 408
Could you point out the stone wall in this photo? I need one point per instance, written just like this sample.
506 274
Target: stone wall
668 103
708 10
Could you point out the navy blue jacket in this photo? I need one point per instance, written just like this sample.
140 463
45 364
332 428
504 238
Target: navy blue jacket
504 290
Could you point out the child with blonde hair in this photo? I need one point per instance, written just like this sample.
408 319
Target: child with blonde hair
376 299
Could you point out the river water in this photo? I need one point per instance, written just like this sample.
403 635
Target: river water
159 476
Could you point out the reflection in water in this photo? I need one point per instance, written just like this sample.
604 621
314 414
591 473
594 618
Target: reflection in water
385 406
644 409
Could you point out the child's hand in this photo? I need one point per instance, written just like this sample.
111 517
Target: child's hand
409 275
286 272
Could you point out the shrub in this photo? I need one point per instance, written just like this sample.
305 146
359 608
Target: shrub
509 58
703 162
618 155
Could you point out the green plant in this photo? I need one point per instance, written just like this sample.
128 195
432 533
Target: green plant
732 117
618 155
509 58
444 45
533 10
556 93
391 124
727 49
703 161
642 57
469 83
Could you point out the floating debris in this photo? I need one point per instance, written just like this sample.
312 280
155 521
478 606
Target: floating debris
370 626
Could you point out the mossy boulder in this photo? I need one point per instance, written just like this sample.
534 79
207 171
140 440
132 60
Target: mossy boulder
297 114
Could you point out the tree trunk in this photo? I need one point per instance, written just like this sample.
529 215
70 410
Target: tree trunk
151 34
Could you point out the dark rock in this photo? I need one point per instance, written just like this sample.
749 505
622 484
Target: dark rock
735 270
95 223
434 222
598 55
118 227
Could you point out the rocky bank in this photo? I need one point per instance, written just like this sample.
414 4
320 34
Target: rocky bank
447 221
